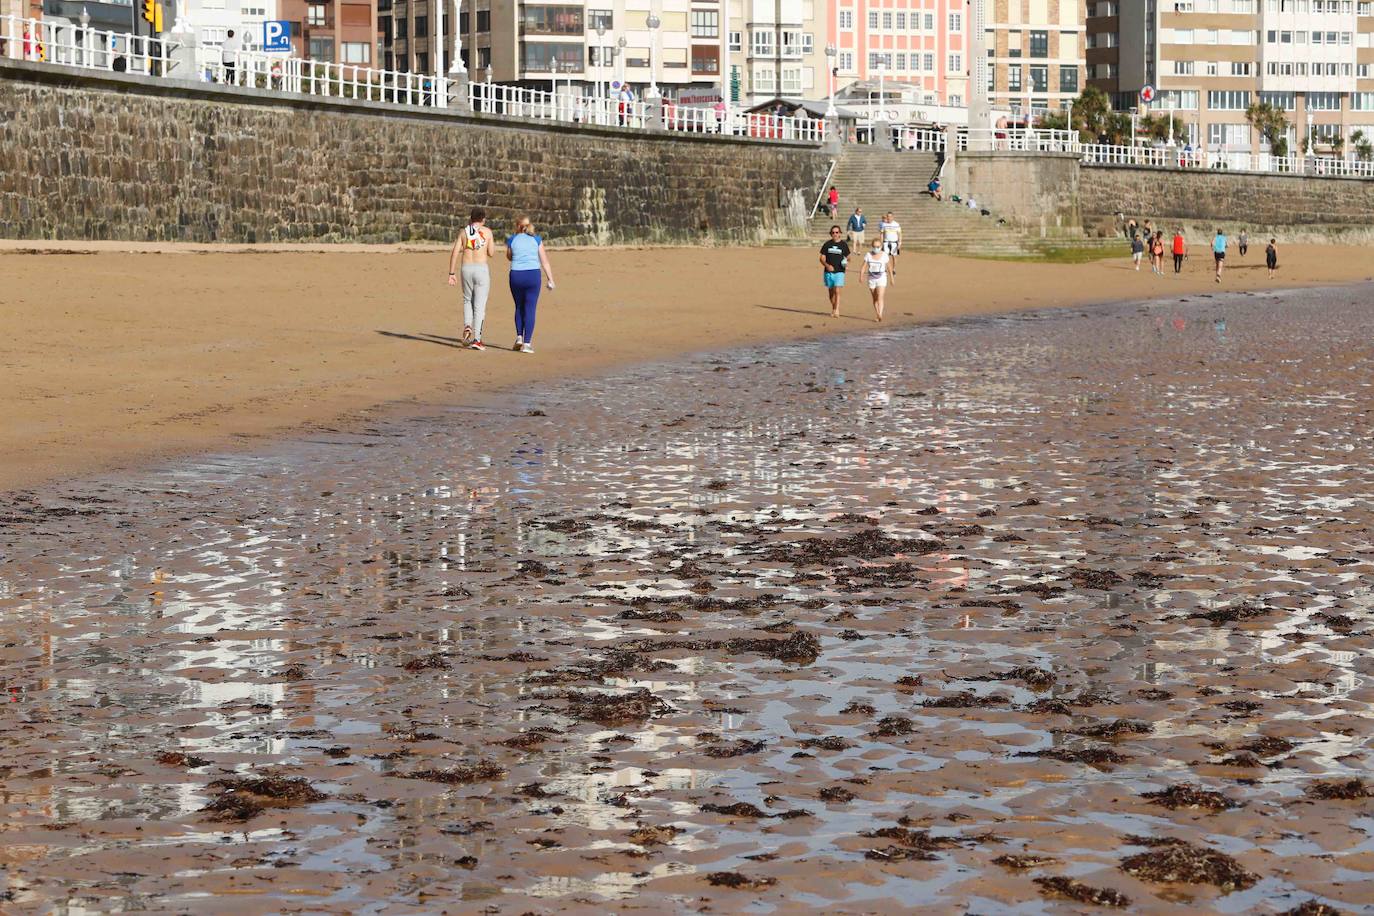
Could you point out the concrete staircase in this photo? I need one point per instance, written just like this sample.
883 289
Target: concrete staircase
879 180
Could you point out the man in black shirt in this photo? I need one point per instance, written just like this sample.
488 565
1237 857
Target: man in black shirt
834 259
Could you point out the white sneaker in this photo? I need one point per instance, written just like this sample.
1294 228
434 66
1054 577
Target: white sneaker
519 344
527 348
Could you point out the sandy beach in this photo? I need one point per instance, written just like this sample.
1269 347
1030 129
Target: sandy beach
1052 612
118 354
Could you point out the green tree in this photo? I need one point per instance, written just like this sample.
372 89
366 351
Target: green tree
1364 148
1272 125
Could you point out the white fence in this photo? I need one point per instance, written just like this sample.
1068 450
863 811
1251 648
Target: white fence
57 42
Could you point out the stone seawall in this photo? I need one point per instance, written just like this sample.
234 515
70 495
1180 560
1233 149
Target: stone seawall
129 158
1295 207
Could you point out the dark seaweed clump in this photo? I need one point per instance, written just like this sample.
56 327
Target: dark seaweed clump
1184 795
1117 728
461 773
1174 861
907 844
1340 789
867 544
244 797
1101 758
610 710
736 881
1023 861
1069 889
1234 613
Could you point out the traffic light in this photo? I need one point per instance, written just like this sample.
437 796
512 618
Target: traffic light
157 18
150 10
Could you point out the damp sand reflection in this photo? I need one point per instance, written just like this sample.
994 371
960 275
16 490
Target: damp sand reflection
994 615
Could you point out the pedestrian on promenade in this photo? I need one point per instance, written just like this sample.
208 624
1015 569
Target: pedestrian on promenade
858 225
891 232
832 202
1219 252
933 188
1243 243
878 266
1180 250
1271 257
1137 251
473 248
834 261
229 55
1157 254
529 266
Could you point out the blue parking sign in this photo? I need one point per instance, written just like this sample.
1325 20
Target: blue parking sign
276 35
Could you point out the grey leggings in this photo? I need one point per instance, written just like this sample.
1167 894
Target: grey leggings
476 285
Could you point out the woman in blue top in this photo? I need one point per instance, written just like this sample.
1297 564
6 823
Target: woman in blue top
529 264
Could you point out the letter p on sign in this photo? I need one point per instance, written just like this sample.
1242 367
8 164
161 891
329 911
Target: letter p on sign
276 35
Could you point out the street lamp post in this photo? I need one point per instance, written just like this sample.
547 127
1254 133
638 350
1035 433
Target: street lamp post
457 66
600 71
830 54
653 22
553 78
85 37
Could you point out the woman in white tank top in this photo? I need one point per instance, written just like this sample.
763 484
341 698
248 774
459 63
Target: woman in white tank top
878 267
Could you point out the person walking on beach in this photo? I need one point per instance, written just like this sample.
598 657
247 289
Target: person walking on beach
474 249
529 266
891 232
1137 250
878 266
858 225
1242 243
1271 257
834 261
1157 254
1180 250
1219 252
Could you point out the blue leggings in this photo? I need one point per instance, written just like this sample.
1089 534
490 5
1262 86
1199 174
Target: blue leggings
524 289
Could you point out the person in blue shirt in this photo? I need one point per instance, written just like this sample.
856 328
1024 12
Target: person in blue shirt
529 266
1219 252
858 224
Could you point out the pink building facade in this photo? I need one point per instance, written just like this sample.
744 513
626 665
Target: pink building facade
914 44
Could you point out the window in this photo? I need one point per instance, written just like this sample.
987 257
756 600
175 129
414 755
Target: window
765 80
929 62
736 41
1362 101
1013 77
901 21
887 20
1178 99
421 61
540 55
1040 79
322 49
1014 44
552 20
1240 68
1228 135
706 59
792 44
357 52
872 19
1228 99
956 22
1362 71
1323 101
484 20
705 23
315 15
956 63
1366 8
1068 80
956 100
596 19
1039 44
1284 101
791 81
421 26
930 22
846 19
901 61
1183 68
762 42
1209 68
847 61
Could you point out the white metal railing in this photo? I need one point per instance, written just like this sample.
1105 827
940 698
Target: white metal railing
1017 139
58 42
926 139
1176 157
61 42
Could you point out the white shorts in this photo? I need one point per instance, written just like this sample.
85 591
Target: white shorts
879 283
891 247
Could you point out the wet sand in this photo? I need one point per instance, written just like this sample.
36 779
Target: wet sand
112 358
962 618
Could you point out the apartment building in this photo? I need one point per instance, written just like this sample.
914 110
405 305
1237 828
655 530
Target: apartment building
1209 60
336 31
1035 53
921 46
540 43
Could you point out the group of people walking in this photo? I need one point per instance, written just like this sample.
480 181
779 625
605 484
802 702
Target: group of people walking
469 265
1149 240
879 264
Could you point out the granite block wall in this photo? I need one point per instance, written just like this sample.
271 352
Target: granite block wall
121 157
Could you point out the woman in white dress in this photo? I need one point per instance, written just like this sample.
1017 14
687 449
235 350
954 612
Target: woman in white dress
878 267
